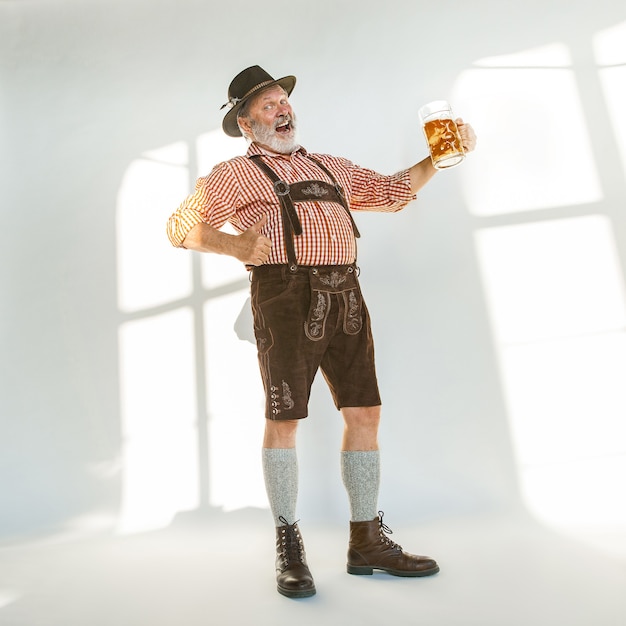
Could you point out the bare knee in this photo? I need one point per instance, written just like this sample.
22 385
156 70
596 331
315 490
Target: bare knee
280 433
361 417
361 427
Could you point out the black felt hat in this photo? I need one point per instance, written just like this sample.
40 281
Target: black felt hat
245 85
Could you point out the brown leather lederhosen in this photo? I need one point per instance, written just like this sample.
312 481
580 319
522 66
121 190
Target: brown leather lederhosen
304 191
291 346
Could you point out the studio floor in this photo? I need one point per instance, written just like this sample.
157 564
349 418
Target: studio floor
495 571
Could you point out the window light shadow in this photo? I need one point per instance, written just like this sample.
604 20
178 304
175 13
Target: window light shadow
554 279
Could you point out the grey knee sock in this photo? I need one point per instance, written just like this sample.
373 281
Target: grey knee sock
360 471
280 470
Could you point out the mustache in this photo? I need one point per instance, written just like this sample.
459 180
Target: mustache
285 119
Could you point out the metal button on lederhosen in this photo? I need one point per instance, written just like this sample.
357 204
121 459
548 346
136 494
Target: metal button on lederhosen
325 280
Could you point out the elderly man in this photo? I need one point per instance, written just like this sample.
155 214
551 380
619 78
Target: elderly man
292 211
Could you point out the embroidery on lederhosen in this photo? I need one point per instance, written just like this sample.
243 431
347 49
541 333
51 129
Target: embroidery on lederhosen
334 279
315 324
315 189
341 283
288 402
352 319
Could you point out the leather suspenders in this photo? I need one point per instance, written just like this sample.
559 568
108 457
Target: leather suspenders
304 191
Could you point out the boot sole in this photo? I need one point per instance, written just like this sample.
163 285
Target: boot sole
296 593
364 570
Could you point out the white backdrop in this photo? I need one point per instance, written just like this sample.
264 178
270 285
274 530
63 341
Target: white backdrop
111 341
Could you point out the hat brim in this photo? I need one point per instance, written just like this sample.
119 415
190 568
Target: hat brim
229 124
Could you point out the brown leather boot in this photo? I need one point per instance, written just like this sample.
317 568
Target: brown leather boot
371 549
293 577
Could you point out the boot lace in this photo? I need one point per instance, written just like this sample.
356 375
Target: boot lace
292 546
384 530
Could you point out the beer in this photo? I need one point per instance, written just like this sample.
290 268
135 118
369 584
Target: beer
444 141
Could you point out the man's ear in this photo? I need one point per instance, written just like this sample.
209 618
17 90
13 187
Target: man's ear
244 125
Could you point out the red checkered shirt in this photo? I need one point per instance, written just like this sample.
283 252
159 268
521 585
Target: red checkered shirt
237 192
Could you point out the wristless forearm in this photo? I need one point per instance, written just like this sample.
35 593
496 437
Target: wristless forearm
205 238
421 173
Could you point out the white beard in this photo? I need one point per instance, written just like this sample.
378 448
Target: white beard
266 135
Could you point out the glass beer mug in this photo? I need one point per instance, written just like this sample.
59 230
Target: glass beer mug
442 134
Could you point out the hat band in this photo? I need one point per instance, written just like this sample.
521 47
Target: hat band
232 100
257 87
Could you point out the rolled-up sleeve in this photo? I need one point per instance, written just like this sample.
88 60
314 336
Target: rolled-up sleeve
192 211
180 223
212 203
